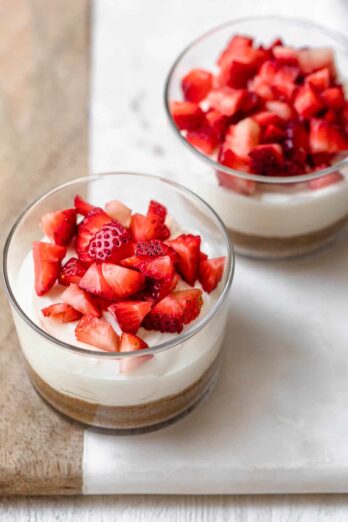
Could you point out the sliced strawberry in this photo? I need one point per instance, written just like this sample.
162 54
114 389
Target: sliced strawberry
264 118
174 311
316 58
187 115
243 137
319 80
157 290
261 87
231 182
267 160
235 74
119 211
72 272
280 109
80 300
151 248
111 243
123 281
324 137
333 98
47 260
218 123
202 256
94 283
226 100
59 227
285 55
129 314
325 181
154 226
187 246
86 231
97 332
307 102
137 227
272 134
196 84
211 272
62 312
132 343
159 268
82 207
235 46
203 139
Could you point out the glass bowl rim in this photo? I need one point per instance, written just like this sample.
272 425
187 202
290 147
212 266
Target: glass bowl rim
283 180
171 343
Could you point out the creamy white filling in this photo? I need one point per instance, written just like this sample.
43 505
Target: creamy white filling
275 212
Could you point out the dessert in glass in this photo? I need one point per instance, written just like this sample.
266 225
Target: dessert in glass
260 105
118 286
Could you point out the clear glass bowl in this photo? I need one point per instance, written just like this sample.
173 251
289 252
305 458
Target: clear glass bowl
284 216
90 385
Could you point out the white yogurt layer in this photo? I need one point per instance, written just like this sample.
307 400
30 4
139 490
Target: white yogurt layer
97 379
274 212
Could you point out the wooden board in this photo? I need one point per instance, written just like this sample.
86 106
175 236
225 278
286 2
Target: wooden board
44 81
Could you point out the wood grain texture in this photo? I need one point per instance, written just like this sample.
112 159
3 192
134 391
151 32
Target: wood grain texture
43 126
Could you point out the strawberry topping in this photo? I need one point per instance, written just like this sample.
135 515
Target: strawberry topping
59 227
47 259
94 283
80 300
87 229
111 243
187 246
82 207
72 272
132 343
130 314
97 332
123 281
62 312
210 273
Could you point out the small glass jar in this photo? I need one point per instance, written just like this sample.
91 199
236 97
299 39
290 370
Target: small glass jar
267 217
91 385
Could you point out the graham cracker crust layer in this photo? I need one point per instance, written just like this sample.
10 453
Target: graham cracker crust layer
145 415
282 247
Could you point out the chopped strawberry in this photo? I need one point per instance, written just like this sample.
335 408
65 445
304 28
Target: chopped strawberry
47 260
111 243
151 248
59 227
297 133
226 100
187 246
242 137
272 134
243 186
333 98
235 46
196 85
319 80
259 86
154 226
157 290
265 118
279 78
235 74
307 102
267 160
62 312
137 227
218 123
280 109
211 272
325 181
97 332
82 207
203 139
187 115
324 137
130 314
316 58
87 229
123 281
119 211
80 300
132 343
72 272
159 268
94 283
285 55
174 311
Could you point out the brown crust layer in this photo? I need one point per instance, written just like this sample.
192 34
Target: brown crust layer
145 415
279 247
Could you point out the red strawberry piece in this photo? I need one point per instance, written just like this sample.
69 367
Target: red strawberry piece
72 272
97 332
272 134
285 55
243 137
324 137
261 87
154 226
159 268
132 343
47 259
61 311
59 227
187 115
151 248
226 100
130 314
235 74
94 283
119 212
86 231
196 85
281 109
332 117
230 159
267 160
123 281
316 58
307 102
211 272
82 207
265 118
203 139
80 300
174 311
157 290
284 80
325 181
187 246
137 227
251 103
202 256
111 243
235 46
218 122
319 80
333 98
297 133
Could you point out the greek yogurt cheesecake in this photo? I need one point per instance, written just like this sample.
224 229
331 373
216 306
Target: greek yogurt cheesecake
109 280
271 111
